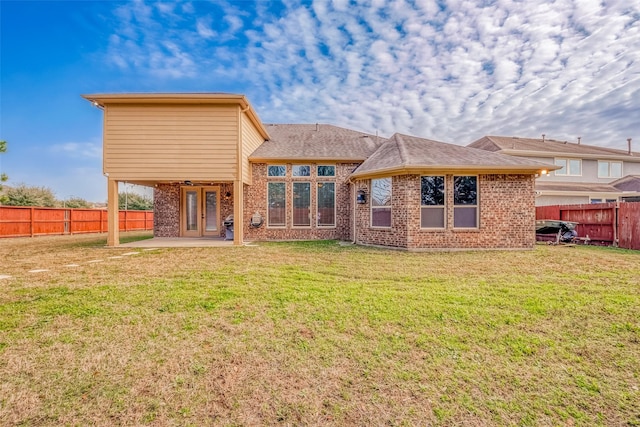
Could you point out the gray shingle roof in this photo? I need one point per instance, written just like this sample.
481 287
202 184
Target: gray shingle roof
513 144
628 183
403 153
307 142
576 186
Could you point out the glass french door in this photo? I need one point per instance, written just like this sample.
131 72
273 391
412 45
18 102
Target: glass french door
200 213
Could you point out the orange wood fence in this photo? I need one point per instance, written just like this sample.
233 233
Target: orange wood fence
30 221
614 224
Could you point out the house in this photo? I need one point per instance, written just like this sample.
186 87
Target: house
208 156
587 173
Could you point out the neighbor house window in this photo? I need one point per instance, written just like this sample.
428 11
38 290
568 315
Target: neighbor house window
465 201
381 202
276 213
301 204
609 169
432 201
301 170
326 199
276 170
326 171
570 167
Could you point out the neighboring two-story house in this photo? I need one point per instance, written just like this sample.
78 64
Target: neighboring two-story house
208 156
587 174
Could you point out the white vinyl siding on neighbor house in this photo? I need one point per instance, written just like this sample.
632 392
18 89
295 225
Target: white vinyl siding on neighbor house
381 202
609 169
569 167
432 202
465 202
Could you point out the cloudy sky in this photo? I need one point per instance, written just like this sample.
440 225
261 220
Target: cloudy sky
450 70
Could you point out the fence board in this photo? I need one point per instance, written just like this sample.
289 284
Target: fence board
29 221
629 225
604 223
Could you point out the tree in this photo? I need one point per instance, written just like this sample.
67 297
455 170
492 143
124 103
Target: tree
134 202
23 195
3 176
75 202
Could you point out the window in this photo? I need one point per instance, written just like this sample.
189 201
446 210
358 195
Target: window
609 169
301 204
381 202
432 200
276 170
326 204
276 212
301 170
571 167
326 171
465 201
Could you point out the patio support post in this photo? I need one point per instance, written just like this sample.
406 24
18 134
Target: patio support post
238 213
113 225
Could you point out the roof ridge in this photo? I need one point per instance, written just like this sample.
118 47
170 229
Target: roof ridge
402 150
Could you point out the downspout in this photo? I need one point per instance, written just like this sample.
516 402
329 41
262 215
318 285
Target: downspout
353 197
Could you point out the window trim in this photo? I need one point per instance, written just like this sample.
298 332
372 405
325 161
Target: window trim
294 176
269 225
335 208
567 168
476 206
325 176
443 206
609 163
390 207
277 176
293 207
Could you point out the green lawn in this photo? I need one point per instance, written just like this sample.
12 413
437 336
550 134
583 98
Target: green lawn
317 334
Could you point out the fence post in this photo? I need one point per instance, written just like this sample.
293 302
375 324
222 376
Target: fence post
31 222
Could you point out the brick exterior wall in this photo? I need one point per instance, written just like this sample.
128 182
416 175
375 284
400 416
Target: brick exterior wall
506 219
166 210
255 201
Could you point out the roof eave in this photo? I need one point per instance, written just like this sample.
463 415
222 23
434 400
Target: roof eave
104 99
551 154
256 159
452 169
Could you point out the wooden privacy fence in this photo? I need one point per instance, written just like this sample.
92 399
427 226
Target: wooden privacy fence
29 221
614 224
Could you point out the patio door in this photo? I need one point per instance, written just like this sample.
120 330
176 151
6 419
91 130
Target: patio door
200 212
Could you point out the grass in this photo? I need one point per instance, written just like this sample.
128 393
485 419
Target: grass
314 333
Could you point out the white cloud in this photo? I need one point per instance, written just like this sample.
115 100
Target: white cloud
88 150
454 73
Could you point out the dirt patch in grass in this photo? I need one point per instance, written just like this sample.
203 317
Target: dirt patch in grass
318 334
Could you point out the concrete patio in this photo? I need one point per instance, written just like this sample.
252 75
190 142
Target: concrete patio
179 242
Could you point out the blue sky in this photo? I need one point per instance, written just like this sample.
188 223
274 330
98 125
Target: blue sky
450 70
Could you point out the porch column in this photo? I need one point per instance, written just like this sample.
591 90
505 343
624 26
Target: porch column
113 223
238 213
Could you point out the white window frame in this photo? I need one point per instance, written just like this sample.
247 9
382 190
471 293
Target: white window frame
269 225
567 167
476 206
293 205
389 206
609 163
293 172
277 176
325 176
442 207
335 212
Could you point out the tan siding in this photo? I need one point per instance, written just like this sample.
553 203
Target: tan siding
251 139
171 142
